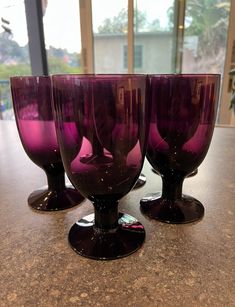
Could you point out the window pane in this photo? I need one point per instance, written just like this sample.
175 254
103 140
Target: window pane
153 40
205 36
138 56
62 35
110 35
14 54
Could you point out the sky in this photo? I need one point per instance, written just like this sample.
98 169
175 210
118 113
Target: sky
62 23
14 12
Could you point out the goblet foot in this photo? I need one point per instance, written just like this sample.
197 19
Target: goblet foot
140 182
95 159
95 243
45 199
180 211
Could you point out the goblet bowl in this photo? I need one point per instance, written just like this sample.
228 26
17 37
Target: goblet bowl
32 98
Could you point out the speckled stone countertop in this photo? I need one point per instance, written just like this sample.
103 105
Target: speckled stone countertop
178 265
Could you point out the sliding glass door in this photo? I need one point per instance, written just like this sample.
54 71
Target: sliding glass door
125 36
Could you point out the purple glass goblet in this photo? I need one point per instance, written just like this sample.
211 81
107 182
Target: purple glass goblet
33 112
117 125
183 112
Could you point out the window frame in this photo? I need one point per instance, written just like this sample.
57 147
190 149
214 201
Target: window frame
38 52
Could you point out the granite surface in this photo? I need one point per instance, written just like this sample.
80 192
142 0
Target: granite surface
178 265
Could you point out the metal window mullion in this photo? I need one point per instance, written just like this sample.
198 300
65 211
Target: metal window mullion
87 52
130 37
226 116
37 50
179 11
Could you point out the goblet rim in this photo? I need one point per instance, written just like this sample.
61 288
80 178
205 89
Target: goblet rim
29 77
185 75
99 76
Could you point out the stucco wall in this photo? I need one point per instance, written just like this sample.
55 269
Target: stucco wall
157 53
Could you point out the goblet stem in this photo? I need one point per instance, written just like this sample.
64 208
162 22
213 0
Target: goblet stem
120 160
106 215
172 206
57 196
55 177
172 189
97 149
97 155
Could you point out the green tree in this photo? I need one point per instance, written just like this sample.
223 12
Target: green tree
208 19
155 25
7 71
119 23
11 51
57 65
71 59
170 16
15 59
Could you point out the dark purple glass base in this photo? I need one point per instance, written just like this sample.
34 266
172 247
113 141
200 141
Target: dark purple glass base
193 173
140 182
91 242
95 159
49 200
184 210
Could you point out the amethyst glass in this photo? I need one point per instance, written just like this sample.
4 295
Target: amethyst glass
183 112
105 115
33 112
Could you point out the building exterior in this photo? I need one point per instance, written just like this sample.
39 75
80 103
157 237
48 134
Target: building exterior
152 53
